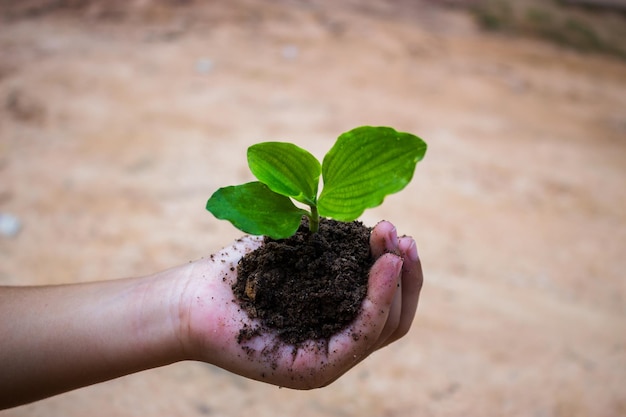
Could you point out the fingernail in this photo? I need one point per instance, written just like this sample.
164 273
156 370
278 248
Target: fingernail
398 267
391 240
411 252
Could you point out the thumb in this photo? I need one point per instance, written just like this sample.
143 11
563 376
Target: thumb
384 281
360 339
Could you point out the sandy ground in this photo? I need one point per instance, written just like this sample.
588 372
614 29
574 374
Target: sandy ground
115 129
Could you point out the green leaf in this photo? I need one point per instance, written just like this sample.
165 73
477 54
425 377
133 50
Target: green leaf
365 165
254 208
286 169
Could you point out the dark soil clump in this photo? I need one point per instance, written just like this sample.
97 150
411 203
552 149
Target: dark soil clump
309 286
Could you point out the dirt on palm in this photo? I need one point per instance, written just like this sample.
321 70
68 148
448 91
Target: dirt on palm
309 286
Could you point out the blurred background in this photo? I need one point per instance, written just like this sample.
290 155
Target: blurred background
118 119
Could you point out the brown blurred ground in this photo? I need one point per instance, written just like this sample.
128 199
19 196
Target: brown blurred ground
117 123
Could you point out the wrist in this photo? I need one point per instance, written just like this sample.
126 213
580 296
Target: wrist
162 314
193 308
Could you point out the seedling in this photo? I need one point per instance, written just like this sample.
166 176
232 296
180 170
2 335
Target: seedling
364 166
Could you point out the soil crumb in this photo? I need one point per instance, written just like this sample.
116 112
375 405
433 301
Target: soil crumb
309 286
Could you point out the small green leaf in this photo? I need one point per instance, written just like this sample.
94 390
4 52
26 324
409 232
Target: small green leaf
286 169
365 165
254 208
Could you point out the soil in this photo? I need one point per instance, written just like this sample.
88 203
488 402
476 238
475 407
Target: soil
309 286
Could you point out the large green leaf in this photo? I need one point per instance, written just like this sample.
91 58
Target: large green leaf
286 169
254 208
365 165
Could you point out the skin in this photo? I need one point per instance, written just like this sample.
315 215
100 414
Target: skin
59 338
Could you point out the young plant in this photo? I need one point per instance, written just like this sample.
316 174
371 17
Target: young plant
364 166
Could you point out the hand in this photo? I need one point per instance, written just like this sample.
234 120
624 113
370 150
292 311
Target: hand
212 320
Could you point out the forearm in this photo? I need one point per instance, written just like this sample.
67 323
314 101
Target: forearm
58 338
54 339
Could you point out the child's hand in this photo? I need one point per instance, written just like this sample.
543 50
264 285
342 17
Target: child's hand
212 320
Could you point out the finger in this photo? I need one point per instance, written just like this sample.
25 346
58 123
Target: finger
393 320
412 280
356 342
383 238
384 279
360 338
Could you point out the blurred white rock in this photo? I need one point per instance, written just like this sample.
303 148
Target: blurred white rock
10 225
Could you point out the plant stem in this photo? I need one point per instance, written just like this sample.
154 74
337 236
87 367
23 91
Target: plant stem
314 220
